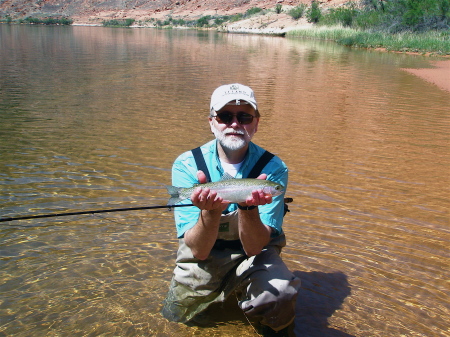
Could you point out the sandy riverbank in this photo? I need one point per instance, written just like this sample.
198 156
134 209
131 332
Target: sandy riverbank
439 75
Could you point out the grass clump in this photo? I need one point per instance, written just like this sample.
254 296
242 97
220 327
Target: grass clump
118 23
253 11
432 41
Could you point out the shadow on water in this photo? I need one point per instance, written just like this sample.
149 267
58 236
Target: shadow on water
320 295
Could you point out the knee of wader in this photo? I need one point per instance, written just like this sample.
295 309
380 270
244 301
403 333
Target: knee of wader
274 307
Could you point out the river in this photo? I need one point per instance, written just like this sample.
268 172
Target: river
93 117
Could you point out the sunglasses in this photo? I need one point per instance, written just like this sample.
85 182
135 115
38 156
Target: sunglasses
226 117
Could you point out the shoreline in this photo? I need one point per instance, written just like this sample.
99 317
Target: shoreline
269 23
439 75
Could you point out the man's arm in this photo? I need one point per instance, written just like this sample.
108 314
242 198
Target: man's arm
201 238
253 233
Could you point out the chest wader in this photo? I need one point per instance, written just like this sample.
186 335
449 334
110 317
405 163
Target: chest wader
196 284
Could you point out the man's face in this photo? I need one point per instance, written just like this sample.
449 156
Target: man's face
234 135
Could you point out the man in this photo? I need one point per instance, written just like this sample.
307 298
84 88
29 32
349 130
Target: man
224 247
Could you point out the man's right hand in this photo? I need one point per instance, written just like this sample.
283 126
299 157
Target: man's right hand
205 198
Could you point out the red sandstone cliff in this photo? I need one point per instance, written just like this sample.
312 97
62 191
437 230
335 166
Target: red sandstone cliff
80 10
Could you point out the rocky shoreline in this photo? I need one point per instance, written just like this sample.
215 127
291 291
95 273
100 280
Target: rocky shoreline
269 23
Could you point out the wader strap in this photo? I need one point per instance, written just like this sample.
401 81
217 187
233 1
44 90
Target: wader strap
260 164
201 164
255 172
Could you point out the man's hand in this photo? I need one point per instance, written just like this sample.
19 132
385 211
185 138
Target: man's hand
205 198
258 197
203 235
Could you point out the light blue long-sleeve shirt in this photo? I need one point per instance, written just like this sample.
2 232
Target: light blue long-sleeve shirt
184 174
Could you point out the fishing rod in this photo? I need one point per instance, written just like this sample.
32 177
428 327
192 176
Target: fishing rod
52 215
140 208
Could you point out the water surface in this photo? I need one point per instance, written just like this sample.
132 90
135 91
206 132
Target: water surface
93 118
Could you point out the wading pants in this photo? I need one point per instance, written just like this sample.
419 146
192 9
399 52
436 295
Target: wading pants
266 289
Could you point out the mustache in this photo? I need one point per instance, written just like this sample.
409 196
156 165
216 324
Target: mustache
239 132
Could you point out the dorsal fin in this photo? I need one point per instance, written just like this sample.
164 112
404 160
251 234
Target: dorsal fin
226 176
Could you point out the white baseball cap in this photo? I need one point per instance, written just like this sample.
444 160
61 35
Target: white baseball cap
233 94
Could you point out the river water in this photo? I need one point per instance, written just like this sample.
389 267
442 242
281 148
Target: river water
93 118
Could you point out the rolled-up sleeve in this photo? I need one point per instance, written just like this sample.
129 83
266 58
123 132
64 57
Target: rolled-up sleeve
184 174
272 214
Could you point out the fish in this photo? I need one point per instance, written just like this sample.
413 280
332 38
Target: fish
230 189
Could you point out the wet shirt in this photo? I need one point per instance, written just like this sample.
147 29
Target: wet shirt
184 174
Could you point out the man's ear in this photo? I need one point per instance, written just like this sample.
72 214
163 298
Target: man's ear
257 123
211 124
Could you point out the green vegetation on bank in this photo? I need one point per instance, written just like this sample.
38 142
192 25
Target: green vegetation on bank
391 16
40 21
397 25
437 42
118 23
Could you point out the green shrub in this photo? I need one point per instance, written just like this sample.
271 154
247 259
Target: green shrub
297 12
47 21
236 17
118 23
409 15
32 20
368 19
313 14
221 19
179 22
278 8
253 11
66 21
204 21
342 15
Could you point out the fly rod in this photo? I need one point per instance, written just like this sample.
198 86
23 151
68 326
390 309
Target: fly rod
53 215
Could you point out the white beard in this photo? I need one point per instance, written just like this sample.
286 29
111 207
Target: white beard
230 142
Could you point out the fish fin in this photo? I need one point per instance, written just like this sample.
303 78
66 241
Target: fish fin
174 195
173 201
227 176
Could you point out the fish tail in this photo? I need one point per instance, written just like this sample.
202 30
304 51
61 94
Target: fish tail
174 195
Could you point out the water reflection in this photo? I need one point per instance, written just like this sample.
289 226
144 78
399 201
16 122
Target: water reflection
94 117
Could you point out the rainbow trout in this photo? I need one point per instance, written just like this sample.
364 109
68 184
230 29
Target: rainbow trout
230 189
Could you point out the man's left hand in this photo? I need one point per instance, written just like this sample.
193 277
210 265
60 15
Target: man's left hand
258 197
